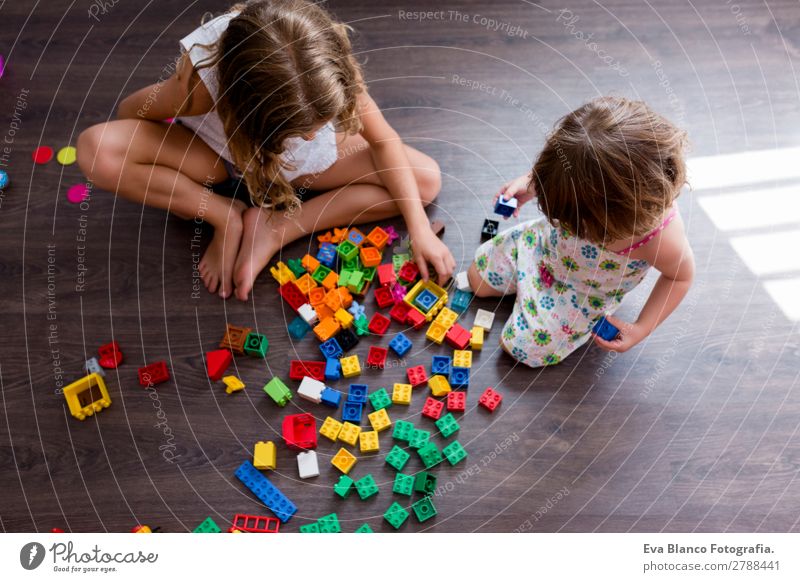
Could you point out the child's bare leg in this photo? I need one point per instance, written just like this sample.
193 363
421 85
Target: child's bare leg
479 286
167 166
354 195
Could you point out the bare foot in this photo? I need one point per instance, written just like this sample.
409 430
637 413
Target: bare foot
216 267
261 241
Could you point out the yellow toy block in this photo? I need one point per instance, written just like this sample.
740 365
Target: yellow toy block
344 460
305 284
439 386
282 273
264 455
309 263
379 420
476 342
331 428
331 281
420 286
344 318
350 366
326 329
462 359
401 394
87 396
447 317
436 332
369 442
349 433
232 384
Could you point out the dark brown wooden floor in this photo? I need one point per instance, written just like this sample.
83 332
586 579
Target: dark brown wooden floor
694 430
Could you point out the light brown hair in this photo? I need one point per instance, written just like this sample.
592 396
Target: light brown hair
610 170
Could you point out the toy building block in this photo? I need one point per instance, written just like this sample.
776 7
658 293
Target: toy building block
490 399
235 338
439 386
355 237
403 431
396 515
339 234
605 329
307 465
370 256
299 369
347 339
386 276
379 420
110 355
157 373
344 486
408 273
403 484
417 375
311 390
309 528
298 328
320 274
369 275
362 325
333 370
391 234
330 348
300 431
255 523
458 337
462 281
308 313
368 441
484 319
399 292
350 366
296 267
331 428
419 438
432 408
400 344
505 207
379 324
349 433
326 255
329 524
425 289
232 384
310 264
401 394
457 401
425 300
282 273
415 319
86 396
454 453
278 391
217 363
331 281
356 310
355 282
357 393
425 483
424 509
338 298
400 311
264 455
331 397
347 250
344 460
462 358
265 491
326 329
92 366
476 338
366 487
376 357
292 295
436 333
490 229
397 458
459 377
461 301
398 260
383 297
364 529
324 312
256 345
351 411
447 425
378 238
380 399
208 525
316 297
447 317
441 365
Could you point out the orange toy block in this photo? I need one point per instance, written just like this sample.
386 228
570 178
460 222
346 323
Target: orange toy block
316 296
339 234
305 284
326 329
323 311
330 281
378 237
309 263
370 256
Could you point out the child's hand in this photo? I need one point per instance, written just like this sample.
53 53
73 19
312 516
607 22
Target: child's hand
517 188
630 334
428 248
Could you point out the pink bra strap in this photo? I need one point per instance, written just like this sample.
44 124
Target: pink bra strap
651 235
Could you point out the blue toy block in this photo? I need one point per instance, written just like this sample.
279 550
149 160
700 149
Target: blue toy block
441 365
357 393
425 299
298 328
461 301
333 369
351 412
605 329
505 207
459 377
266 492
327 255
355 236
331 397
357 310
330 348
400 344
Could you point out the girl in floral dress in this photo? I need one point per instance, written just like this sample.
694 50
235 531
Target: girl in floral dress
606 181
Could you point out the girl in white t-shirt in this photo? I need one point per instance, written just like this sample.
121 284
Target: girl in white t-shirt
269 92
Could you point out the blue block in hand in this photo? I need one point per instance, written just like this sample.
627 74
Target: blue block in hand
400 344
604 329
505 207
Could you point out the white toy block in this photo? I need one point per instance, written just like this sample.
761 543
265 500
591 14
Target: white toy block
308 314
311 389
307 464
484 319
462 282
92 366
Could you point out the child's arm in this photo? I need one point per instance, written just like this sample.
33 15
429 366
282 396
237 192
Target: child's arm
391 161
671 255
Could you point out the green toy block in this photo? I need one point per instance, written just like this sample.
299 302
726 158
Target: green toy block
396 515
278 391
362 325
320 273
329 524
403 484
310 528
454 452
419 438
369 273
353 264
355 282
208 525
380 399
296 267
366 487
425 483
397 458
344 277
399 260
256 344
364 529
430 455
424 509
347 250
447 425
403 430
344 486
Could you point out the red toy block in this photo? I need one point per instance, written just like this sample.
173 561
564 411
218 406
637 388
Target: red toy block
217 362
417 375
433 408
415 319
110 355
292 294
153 374
408 272
457 401
255 523
490 399
378 324
299 369
376 357
399 312
386 275
383 297
458 337
300 431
